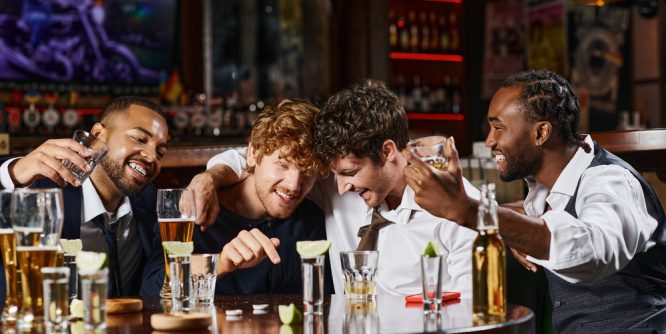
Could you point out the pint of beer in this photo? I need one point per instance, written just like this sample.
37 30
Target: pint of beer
176 216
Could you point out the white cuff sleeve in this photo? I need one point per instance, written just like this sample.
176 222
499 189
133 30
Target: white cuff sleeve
5 179
233 158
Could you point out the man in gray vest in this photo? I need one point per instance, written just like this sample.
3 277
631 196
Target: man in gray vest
589 218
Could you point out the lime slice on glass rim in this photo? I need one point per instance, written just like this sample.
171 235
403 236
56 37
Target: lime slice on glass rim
178 247
71 246
91 262
310 249
289 314
431 249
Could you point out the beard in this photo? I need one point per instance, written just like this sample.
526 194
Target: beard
116 173
521 164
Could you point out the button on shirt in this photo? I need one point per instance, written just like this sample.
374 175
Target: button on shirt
613 223
400 245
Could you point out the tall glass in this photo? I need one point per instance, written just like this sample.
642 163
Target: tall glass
37 217
176 214
360 270
430 150
431 274
94 291
8 246
70 262
313 284
56 301
181 283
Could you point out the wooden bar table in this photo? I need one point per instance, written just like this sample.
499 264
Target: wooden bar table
388 314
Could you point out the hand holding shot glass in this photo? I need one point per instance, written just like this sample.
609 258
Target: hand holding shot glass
96 151
430 150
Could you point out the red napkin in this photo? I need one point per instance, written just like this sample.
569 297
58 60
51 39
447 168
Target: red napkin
446 296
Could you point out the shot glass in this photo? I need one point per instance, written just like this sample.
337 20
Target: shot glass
181 284
313 284
430 150
431 274
70 262
360 270
56 302
204 276
94 291
96 151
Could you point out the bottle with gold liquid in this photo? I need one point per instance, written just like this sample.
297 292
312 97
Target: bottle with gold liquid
488 263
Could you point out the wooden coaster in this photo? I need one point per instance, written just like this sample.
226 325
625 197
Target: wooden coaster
123 305
180 321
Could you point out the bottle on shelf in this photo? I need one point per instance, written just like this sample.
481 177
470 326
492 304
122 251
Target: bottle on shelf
417 95
425 32
434 33
444 38
413 32
455 35
393 30
488 263
403 34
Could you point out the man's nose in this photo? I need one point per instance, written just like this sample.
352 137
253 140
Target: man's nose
343 186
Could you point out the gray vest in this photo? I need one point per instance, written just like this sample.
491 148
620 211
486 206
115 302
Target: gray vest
626 299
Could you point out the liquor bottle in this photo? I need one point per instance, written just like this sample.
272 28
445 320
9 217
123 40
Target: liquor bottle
425 32
403 34
444 37
488 263
434 33
455 35
393 31
413 32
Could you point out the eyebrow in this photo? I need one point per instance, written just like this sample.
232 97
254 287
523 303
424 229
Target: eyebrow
494 119
149 134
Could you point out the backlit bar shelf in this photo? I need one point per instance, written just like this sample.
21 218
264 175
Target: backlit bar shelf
435 117
427 56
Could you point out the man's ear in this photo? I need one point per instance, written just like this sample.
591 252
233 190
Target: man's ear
100 131
389 151
543 131
251 159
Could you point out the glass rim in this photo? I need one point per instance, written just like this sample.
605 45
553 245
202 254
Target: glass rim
205 255
174 189
36 190
103 271
360 252
178 256
55 270
411 143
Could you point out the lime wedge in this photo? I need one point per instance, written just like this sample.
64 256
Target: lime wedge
178 247
431 249
90 262
76 308
289 314
310 249
72 246
286 329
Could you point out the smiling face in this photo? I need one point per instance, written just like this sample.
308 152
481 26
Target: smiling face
512 136
136 139
373 182
279 184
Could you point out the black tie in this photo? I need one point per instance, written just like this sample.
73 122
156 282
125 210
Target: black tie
116 284
369 233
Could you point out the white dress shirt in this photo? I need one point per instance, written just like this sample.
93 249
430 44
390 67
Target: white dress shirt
400 245
613 223
128 239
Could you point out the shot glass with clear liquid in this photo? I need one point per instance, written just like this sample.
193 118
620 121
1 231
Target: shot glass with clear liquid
431 275
70 262
96 151
181 283
313 284
360 270
55 281
94 291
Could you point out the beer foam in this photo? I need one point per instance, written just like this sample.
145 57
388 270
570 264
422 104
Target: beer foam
28 229
6 231
36 248
176 220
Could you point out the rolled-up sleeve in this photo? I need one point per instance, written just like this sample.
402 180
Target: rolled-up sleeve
612 226
233 158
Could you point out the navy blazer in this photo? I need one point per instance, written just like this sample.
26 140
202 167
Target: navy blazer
145 217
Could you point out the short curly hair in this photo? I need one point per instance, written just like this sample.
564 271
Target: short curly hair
358 120
288 126
546 96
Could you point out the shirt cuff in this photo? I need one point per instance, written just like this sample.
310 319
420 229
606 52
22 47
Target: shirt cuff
569 242
5 179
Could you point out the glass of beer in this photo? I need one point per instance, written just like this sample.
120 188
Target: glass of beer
176 214
37 217
8 246
430 150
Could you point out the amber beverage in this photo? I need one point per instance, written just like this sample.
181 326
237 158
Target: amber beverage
32 259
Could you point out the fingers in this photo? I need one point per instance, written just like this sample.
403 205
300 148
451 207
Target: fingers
522 259
267 245
451 154
205 198
250 247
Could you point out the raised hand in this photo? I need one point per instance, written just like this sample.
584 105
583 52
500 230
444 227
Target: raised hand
46 162
247 250
205 198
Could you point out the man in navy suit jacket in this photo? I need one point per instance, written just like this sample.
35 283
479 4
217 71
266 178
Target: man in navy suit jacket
113 211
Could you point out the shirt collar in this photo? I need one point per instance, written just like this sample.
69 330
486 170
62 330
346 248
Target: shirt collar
403 212
567 182
93 207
